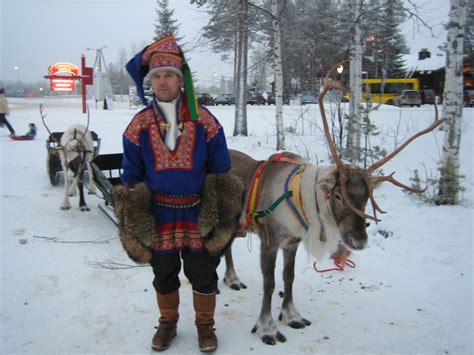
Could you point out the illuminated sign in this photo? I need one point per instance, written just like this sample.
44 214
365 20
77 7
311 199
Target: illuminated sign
63 68
63 85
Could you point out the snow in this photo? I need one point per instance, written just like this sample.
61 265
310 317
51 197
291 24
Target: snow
412 63
410 293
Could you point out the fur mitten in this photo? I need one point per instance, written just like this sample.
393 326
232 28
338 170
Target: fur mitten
136 224
221 208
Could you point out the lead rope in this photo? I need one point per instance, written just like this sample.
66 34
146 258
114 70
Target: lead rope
340 262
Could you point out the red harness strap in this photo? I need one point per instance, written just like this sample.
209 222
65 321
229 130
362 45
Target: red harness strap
253 197
281 158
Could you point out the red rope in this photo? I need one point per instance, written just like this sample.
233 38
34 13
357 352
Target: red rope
340 261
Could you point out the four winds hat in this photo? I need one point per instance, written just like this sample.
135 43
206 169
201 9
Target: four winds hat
164 54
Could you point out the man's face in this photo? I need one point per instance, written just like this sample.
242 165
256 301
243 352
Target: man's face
166 85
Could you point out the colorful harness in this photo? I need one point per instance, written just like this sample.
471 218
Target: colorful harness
292 193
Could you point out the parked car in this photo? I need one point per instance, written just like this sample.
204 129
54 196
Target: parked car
408 97
205 99
428 97
468 99
256 99
308 98
223 99
271 99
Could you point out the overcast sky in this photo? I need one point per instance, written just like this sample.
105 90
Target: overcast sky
38 33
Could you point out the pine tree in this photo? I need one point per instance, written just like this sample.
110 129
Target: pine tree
384 42
164 23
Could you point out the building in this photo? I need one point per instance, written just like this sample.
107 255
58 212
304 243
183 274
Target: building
430 70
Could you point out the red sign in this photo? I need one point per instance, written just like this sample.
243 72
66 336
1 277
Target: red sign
63 68
62 85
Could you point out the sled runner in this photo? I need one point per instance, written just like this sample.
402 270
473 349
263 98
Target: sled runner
22 138
107 170
53 161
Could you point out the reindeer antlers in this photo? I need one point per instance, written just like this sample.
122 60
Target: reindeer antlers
43 116
369 179
51 135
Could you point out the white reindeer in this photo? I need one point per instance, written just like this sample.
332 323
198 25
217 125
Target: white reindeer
76 150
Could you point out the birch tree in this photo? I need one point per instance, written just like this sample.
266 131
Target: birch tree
449 185
355 84
278 69
240 122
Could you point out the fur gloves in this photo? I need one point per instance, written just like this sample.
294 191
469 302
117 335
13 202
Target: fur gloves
222 204
136 224
222 200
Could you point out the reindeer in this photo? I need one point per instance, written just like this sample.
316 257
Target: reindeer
75 149
325 212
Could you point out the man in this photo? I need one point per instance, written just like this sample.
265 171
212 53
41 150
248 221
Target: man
4 112
171 145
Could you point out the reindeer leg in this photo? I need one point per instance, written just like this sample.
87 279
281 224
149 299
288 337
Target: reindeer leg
73 187
82 202
230 277
92 186
65 204
266 327
288 313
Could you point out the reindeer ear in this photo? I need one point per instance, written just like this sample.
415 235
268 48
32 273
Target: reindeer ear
326 179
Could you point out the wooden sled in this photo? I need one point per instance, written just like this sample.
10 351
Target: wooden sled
107 170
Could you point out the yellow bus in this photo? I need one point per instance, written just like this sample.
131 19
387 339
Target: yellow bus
391 88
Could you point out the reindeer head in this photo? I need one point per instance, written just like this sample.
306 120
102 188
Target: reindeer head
71 148
353 186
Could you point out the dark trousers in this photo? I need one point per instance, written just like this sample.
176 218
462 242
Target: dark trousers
3 121
199 268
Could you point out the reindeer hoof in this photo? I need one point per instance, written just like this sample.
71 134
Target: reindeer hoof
281 338
299 324
271 340
84 208
64 208
234 285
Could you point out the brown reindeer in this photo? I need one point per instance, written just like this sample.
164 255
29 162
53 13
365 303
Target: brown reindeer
325 211
76 150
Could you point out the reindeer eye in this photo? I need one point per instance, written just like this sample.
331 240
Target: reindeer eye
338 196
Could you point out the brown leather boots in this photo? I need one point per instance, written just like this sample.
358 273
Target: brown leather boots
204 306
168 305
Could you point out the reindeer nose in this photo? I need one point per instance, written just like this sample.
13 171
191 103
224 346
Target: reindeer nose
354 240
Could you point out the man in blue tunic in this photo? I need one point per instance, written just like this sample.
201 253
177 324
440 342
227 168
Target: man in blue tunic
171 145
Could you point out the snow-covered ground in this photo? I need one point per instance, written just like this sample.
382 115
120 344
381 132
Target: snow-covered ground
410 293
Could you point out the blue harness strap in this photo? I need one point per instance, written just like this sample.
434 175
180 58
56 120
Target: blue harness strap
290 201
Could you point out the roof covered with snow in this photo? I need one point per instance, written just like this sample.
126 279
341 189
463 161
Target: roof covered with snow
413 64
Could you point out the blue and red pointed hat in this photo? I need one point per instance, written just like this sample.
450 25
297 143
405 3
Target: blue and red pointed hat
163 54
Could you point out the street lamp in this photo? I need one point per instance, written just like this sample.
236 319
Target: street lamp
340 69
17 69
214 76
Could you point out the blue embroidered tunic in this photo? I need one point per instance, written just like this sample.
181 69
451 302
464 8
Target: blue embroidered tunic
200 149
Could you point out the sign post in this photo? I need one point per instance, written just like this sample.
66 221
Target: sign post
65 83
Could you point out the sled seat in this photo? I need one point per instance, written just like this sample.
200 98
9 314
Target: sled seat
107 171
